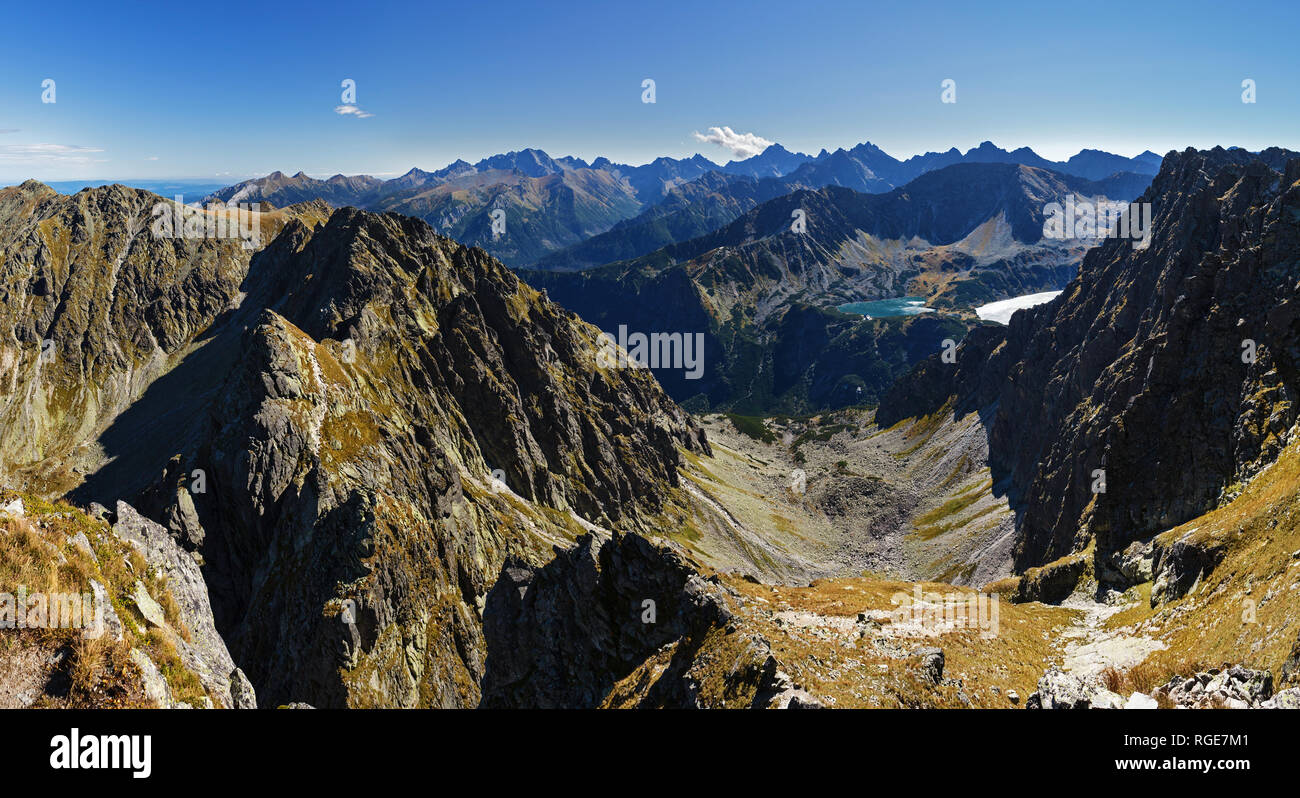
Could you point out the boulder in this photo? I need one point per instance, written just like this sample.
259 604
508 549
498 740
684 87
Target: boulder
150 609
1059 690
106 620
155 686
930 669
1287 699
795 699
241 691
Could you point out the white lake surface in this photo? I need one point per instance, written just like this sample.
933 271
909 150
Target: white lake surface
1001 310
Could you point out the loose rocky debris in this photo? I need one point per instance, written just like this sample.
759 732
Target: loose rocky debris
1232 688
1235 687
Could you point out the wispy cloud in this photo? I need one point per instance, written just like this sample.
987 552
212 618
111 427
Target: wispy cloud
152 158
352 110
741 145
48 154
8 130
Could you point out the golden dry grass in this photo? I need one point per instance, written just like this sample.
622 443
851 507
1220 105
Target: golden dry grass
38 555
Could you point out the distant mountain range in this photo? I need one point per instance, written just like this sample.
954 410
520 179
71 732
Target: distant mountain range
960 235
566 213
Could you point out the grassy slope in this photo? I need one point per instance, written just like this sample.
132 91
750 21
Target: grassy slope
38 552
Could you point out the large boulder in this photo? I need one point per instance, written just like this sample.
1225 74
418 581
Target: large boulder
1060 690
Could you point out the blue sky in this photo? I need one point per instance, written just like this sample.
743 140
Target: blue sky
229 90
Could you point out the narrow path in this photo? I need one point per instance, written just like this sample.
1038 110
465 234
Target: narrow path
1091 648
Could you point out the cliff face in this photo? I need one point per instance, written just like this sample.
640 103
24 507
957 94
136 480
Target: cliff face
563 634
1143 366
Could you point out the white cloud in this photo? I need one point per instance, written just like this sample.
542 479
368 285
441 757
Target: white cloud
352 110
48 154
8 130
152 158
741 145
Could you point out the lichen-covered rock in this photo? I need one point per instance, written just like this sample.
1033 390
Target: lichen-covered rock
242 695
1058 690
155 686
931 664
1286 699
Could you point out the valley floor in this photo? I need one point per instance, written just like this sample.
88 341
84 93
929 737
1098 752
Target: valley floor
833 495
846 547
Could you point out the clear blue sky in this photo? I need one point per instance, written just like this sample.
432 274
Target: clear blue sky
228 90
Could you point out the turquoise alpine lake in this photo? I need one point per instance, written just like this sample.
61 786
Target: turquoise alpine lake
885 308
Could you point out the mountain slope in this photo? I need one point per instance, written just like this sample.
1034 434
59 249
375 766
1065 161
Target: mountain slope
96 307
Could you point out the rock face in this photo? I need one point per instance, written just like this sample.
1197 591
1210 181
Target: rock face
205 652
93 306
1177 567
623 622
1172 369
338 482
560 635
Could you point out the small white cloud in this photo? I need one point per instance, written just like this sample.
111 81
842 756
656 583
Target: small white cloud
741 145
152 158
8 130
352 110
